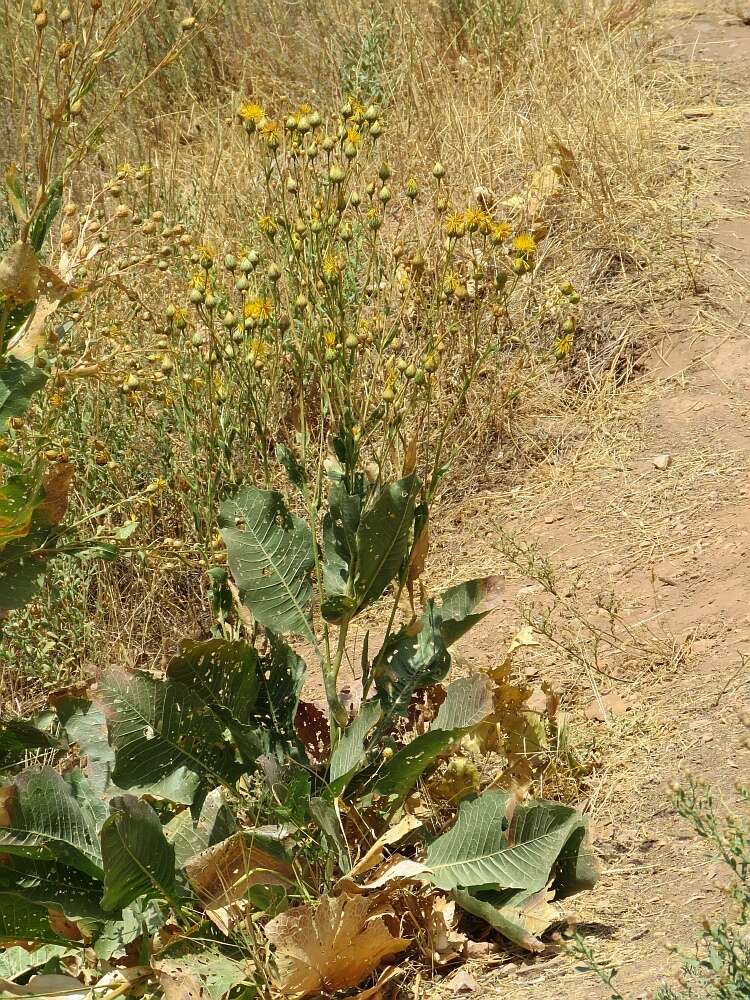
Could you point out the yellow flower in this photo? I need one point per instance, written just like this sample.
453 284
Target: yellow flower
269 129
477 220
304 109
199 280
524 243
358 108
205 251
258 308
250 112
329 338
333 265
125 170
455 225
500 231
267 225
353 135
156 486
563 346
258 349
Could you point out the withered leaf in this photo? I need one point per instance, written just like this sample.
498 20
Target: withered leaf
329 947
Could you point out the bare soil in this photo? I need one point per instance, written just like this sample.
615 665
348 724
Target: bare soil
673 544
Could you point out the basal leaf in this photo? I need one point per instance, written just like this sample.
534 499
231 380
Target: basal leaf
484 849
46 823
50 884
23 921
280 677
270 554
166 738
138 859
223 673
18 383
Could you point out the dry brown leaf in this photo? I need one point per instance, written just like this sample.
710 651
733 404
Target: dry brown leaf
52 290
463 982
7 797
311 725
64 927
385 978
57 482
608 705
418 556
19 274
410 457
538 913
329 947
177 982
446 944
222 874
393 835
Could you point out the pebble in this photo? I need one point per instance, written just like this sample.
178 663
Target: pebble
662 461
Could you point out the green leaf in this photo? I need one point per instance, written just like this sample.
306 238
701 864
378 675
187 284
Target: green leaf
468 702
382 540
270 558
325 815
18 736
47 215
52 885
14 962
413 658
210 968
166 739
138 859
47 823
215 823
18 383
505 911
290 464
85 725
21 574
482 849
349 753
22 921
340 526
138 918
223 673
281 676
15 195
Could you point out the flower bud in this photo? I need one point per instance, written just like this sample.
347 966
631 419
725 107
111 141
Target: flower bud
438 171
385 172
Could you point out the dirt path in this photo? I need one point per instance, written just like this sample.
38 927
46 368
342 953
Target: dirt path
674 543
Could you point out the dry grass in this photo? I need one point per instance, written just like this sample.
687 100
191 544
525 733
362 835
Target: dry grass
574 87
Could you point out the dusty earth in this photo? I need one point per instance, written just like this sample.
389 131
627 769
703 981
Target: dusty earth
672 540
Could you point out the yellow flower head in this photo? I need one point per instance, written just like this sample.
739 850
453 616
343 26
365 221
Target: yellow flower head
329 337
304 109
199 280
258 308
250 112
267 225
269 129
524 243
205 252
358 108
353 135
258 349
477 220
455 225
500 231
125 170
563 345
333 265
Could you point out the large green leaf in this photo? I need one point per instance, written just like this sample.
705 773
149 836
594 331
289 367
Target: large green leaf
166 739
47 823
15 961
18 383
223 673
349 753
468 702
506 911
141 917
17 737
85 726
415 657
204 964
215 823
138 859
23 921
382 540
281 676
270 555
51 884
21 574
340 526
483 849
